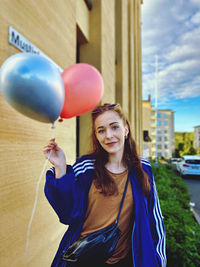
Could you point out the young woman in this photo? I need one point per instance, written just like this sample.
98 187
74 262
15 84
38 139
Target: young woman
87 195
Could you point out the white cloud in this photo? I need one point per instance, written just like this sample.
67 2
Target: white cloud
177 80
196 18
192 37
186 47
195 3
182 53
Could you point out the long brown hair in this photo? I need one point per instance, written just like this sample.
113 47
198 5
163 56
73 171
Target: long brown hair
102 179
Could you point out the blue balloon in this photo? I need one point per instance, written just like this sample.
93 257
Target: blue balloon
33 86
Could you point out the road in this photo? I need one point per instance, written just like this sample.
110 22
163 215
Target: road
193 185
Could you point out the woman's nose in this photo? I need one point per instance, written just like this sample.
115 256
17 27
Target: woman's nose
108 133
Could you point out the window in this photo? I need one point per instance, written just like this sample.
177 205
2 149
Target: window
165 131
159 146
158 123
146 137
166 146
159 115
166 139
165 123
165 115
159 138
193 161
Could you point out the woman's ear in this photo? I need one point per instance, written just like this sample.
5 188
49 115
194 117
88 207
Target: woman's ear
126 130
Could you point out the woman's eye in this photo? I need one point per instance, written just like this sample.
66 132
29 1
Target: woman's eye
101 131
115 127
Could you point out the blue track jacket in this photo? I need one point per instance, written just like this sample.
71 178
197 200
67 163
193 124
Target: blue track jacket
68 196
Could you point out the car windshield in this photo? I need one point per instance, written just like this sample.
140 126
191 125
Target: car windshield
193 161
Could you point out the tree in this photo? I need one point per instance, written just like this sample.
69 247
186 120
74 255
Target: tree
181 146
192 151
198 150
184 144
176 154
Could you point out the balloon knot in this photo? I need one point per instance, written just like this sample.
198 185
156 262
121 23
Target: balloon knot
60 120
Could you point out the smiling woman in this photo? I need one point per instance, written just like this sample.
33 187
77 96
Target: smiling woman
110 187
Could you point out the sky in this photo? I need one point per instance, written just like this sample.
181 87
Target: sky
171 33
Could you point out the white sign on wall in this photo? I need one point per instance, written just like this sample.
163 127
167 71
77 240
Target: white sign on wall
20 42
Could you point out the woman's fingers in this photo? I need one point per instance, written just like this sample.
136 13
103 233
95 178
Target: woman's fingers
54 153
52 143
47 149
51 146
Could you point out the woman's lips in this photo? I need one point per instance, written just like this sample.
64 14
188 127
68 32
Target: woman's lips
111 143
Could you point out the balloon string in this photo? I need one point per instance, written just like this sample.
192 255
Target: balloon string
36 199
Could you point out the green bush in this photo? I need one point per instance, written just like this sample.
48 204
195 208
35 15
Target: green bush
182 231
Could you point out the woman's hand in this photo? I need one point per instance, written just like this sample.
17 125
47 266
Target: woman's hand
56 156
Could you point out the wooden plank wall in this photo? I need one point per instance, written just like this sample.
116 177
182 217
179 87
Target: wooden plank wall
51 26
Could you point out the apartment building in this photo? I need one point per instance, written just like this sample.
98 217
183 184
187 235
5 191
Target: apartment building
165 133
149 123
197 137
158 131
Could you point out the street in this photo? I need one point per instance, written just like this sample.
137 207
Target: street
193 184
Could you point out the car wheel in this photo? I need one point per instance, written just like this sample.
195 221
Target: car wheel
183 176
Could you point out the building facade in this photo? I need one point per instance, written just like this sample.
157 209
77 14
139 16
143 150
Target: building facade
148 129
165 133
105 34
158 129
197 138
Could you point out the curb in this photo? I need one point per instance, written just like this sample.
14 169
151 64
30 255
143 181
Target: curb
196 215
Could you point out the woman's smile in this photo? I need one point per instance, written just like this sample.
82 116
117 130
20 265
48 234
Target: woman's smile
111 143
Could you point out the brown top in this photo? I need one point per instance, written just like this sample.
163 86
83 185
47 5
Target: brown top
102 211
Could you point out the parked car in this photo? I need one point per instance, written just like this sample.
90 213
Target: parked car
189 165
173 160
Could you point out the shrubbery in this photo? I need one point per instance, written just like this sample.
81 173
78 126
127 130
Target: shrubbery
182 231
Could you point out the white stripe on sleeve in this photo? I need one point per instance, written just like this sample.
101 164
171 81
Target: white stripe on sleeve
160 248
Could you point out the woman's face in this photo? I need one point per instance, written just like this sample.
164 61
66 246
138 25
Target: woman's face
110 132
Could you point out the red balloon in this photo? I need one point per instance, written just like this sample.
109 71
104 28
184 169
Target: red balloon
83 89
